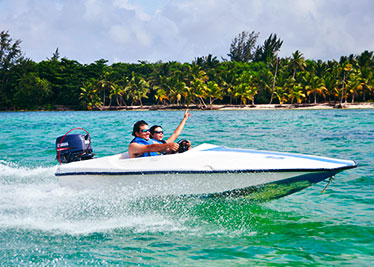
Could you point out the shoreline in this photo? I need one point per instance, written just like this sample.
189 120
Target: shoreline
320 106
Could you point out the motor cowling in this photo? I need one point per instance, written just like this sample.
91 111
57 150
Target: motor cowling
74 147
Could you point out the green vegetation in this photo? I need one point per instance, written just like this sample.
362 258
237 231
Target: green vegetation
251 75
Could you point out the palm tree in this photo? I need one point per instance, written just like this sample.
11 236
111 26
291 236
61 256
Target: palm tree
122 91
365 64
331 84
296 93
118 91
354 84
316 86
246 88
276 63
106 86
281 90
207 63
161 95
297 62
367 83
195 72
138 88
213 92
90 95
198 89
320 68
331 80
196 83
312 79
344 69
228 81
160 80
177 87
282 94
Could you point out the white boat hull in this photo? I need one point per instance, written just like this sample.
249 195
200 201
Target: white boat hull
205 170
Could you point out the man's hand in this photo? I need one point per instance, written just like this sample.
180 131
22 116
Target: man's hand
173 146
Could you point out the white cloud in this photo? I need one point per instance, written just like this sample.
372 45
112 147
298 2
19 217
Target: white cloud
120 34
124 4
132 30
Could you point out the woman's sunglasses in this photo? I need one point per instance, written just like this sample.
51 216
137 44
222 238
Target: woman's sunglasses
159 132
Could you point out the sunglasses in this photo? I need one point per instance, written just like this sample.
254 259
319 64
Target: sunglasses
144 130
159 132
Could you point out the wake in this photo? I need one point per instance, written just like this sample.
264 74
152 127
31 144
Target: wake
12 173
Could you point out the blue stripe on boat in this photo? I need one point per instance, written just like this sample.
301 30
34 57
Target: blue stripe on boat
271 153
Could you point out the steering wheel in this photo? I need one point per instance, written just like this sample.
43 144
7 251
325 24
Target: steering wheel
183 145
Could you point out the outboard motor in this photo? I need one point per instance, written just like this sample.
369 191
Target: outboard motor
74 147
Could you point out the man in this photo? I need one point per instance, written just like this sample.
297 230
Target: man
142 146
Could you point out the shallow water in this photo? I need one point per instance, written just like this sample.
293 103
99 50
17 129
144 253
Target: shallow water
42 223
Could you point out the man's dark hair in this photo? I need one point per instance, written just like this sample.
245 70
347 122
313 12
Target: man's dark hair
137 126
153 128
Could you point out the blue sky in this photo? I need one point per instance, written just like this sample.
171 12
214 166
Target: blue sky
181 30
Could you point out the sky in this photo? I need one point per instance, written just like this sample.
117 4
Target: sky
182 30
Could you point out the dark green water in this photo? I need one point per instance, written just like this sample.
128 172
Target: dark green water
43 224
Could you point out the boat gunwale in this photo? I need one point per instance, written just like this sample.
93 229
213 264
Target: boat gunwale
121 173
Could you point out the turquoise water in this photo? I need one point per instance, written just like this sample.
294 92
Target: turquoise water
42 223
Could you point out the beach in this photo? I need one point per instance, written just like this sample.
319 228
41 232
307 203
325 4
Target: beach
301 106
248 107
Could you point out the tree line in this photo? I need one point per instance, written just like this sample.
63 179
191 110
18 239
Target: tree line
253 74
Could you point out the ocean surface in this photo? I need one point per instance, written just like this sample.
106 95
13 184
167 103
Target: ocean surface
44 224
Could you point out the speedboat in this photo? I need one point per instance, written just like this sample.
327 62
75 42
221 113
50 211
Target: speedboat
205 170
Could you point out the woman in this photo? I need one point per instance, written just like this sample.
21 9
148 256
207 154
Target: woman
157 133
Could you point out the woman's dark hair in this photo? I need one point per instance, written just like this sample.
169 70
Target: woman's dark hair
137 126
153 128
